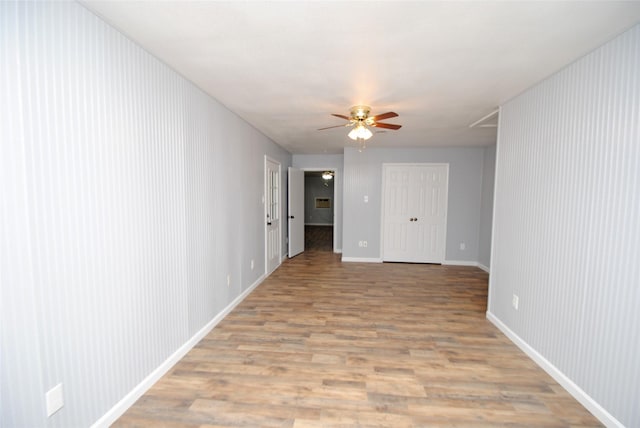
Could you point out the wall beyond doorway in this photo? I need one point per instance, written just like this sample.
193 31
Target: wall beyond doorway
317 187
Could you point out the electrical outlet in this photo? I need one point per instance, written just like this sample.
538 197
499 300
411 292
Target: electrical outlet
463 246
366 199
364 244
515 301
229 280
54 399
360 244
252 264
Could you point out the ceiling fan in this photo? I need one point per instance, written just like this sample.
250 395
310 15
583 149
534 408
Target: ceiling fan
359 119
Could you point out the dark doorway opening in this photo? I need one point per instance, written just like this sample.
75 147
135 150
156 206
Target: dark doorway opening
318 238
318 210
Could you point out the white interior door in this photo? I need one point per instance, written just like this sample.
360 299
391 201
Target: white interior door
431 213
296 211
396 213
415 212
272 213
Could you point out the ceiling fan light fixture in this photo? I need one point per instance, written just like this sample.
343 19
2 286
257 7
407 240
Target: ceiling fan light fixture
359 120
360 132
327 175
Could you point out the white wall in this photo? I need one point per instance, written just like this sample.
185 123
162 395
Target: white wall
567 227
363 176
128 195
334 163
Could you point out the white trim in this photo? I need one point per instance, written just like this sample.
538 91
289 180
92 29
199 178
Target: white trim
483 267
466 263
338 250
483 118
492 252
460 263
128 400
362 259
578 393
268 159
318 224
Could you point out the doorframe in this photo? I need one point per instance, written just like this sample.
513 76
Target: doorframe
335 175
382 200
268 159
289 210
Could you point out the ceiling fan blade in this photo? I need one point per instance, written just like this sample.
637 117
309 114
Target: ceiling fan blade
341 116
384 116
386 125
329 127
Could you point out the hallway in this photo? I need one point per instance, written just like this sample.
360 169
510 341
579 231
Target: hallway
318 238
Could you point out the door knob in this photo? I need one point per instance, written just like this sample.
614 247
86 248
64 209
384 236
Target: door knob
291 216
268 223
415 219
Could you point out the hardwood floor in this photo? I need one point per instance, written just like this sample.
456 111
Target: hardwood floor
327 344
318 238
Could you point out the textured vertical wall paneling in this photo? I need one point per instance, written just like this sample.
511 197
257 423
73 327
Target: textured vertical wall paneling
109 206
21 384
221 137
114 184
567 213
226 168
246 231
200 209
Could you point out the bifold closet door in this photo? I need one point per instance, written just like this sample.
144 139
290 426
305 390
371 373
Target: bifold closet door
414 212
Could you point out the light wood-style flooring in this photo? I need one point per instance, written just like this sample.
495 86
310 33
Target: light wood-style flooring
322 343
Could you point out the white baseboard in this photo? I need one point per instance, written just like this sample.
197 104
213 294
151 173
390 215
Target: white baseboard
123 405
460 263
337 250
466 263
362 259
483 267
446 262
589 403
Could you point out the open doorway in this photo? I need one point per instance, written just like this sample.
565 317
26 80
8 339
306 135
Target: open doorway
319 210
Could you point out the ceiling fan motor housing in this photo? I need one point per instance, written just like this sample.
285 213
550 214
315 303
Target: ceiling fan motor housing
360 113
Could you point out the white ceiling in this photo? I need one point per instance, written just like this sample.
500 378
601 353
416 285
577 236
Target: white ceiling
285 66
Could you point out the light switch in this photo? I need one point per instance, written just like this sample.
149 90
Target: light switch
366 198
